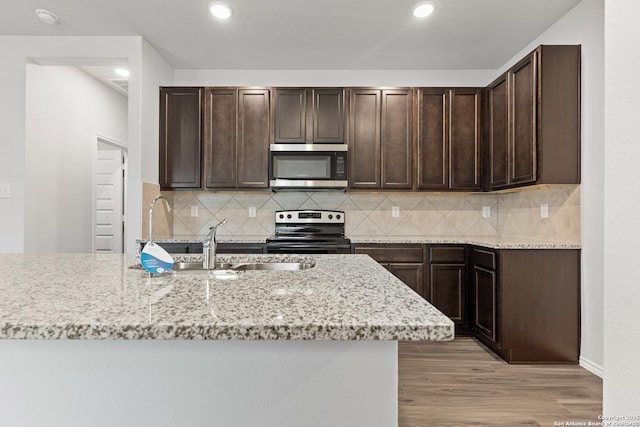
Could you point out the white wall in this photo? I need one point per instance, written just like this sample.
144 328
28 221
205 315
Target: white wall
333 77
584 25
65 110
622 195
15 52
143 157
157 72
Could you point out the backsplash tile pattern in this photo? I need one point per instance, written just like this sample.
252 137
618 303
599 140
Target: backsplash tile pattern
519 214
515 214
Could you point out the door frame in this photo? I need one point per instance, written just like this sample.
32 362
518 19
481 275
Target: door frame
123 150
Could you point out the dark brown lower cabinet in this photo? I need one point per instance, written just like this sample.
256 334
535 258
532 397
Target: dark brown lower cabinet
405 261
222 248
485 293
524 304
241 248
410 273
527 303
447 284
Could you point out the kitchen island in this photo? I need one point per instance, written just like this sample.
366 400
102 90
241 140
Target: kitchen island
88 340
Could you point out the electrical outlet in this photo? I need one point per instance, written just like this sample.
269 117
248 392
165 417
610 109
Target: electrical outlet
544 210
395 211
5 191
194 211
486 212
252 211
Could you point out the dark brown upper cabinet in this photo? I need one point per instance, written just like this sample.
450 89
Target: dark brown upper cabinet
305 115
497 130
214 138
252 148
449 137
381 139
236 138
533 120
221 110
180 136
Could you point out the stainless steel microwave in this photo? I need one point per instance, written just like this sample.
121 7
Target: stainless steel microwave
311 166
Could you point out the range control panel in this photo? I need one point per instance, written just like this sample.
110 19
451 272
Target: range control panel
310 217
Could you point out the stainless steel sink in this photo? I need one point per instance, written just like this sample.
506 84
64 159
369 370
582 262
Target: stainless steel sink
246 266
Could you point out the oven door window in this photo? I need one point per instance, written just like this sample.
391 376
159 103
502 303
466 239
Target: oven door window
301 166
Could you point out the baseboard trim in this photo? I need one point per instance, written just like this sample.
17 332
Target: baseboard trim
592 367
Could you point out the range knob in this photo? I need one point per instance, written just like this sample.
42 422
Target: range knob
281 216
288 216
338 216
330 216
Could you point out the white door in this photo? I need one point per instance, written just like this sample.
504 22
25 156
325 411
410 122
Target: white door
109 192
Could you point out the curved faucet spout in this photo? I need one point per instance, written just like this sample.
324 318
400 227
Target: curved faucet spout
166 202
209 247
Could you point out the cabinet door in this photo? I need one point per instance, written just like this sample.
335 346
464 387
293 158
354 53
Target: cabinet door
410 273
448 291
433 139
180 138
253 138
524 98
328 116
220 138
498 132
486 303
364 139
464 139
290 116
397 139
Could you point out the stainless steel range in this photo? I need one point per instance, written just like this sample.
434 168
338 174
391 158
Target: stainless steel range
310 232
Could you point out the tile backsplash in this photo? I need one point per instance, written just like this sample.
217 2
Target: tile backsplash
513 214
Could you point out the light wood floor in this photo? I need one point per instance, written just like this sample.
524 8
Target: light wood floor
462 383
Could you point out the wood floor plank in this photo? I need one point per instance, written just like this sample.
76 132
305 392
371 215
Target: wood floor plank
461 382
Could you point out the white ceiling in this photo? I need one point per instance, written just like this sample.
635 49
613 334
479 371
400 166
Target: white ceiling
304 34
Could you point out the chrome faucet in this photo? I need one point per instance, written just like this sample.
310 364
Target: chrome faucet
166 202
209 247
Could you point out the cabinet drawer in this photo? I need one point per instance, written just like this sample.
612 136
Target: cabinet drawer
484 258
392 253
446 254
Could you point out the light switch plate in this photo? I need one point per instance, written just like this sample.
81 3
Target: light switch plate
486 212
252 211
5 191
194 211
395 211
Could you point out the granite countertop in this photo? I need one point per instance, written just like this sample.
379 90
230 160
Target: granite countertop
99 296
485 241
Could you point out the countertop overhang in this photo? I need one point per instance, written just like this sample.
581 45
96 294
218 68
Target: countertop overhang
99 296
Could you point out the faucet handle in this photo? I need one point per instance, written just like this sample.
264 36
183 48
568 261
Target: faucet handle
212 231
223 222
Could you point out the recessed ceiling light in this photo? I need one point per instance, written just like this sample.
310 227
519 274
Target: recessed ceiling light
220 10
122 72
424 9
46 16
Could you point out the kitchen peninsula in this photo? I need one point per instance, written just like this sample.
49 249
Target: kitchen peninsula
85 339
